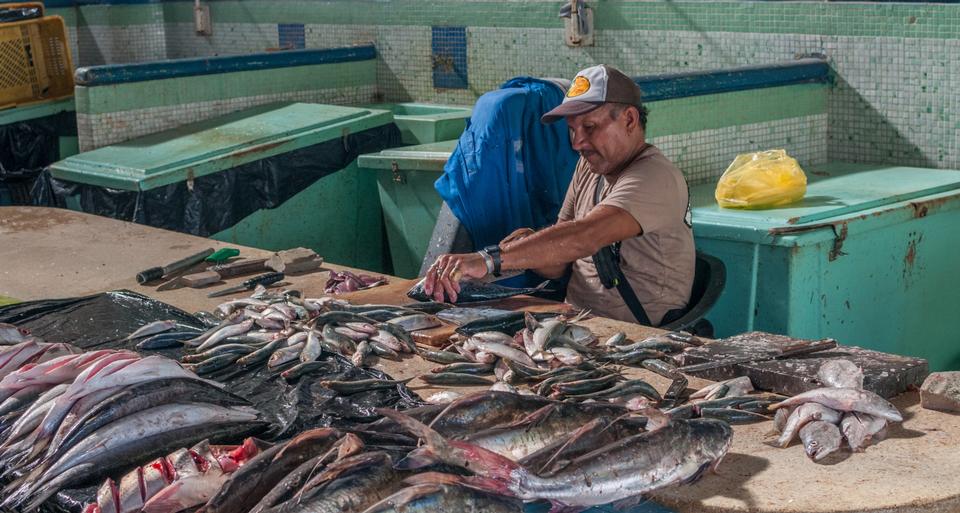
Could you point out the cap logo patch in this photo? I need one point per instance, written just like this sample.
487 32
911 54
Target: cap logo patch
580 85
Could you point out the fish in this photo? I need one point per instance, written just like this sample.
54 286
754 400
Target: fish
294 373
362 385
625 388
802 415
401 334
13 358
166 340
466 368
353 335
464 315
846 399
361 354
502 350
454 379
136 398
383 351
616 340
213 364
248 485
476 292
152 329
388 340
539 429
840 373
196 474
348 486
285 355
674 454
820 439
415 322
10 334
226 332
665 369
262 354
135 437
237 349
444 498
313 349
443 357
598 432
735 387
509 322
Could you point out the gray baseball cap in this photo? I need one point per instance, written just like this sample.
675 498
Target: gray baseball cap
593 87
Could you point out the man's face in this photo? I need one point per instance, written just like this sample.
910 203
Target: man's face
605 142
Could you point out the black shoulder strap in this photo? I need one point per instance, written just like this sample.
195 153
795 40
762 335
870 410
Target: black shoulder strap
607 262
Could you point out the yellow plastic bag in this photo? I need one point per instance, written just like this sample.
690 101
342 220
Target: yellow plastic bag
763 179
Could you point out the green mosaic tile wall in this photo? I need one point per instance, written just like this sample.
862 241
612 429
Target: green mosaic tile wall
897 65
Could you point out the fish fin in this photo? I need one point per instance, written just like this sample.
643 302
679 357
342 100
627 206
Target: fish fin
431 437
483 484
629 502
698 474
166 500
417 458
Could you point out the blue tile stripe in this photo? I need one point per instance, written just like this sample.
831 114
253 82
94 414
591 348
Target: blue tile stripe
124 73
696 83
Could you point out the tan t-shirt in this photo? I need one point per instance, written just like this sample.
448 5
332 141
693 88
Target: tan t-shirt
660 263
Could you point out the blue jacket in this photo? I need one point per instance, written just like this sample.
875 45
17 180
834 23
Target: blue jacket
509 170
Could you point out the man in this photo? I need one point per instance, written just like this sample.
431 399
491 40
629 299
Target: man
624 193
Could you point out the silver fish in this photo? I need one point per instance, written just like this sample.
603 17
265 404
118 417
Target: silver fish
226 332
152 329
130 439
10 334
801 416
415 322
285 355
636 465
820 439
846 399
312 349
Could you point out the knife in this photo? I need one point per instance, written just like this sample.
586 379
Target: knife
263 279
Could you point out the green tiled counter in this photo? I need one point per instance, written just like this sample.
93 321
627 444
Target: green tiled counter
866 258
405 178
422 123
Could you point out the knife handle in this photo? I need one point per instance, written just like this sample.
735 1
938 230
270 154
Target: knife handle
263 279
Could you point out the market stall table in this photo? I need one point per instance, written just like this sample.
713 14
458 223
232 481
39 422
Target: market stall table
47 253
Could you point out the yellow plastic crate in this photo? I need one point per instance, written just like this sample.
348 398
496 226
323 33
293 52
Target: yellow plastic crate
35 64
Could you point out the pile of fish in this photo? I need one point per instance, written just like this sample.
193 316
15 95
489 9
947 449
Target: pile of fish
494 451
78 416
842 411
282 330
184 479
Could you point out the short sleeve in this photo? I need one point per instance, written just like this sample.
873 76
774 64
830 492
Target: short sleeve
568 209
652 195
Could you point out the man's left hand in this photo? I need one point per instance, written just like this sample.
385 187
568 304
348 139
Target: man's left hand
443 277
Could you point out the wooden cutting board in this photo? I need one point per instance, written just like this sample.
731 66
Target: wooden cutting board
885 374
395 293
